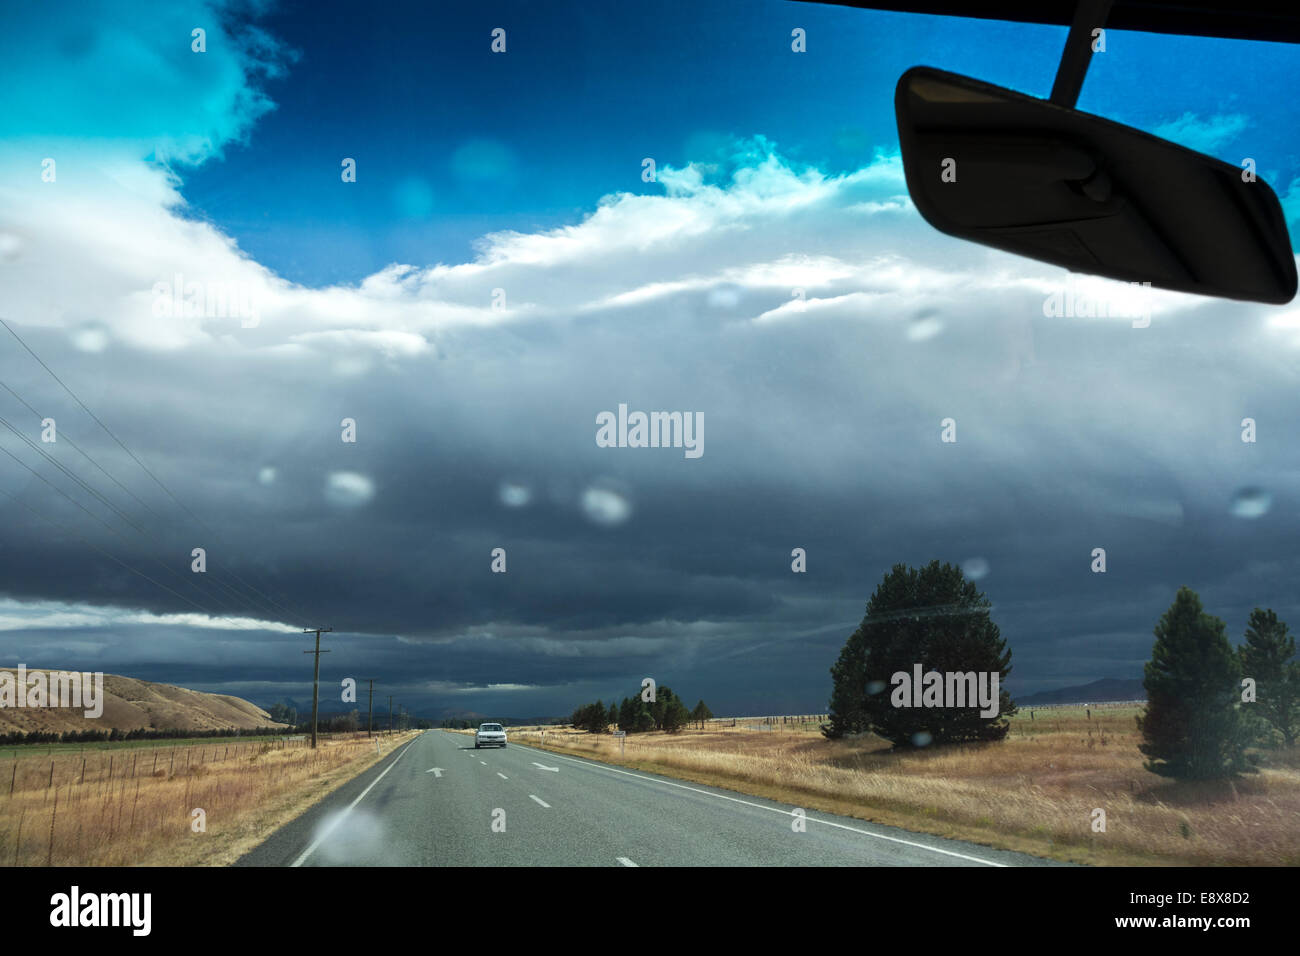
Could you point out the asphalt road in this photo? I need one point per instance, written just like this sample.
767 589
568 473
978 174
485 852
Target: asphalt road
437 801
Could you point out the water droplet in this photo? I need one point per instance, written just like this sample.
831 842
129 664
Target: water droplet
724 298
348 489
605 506
924 328
11 247
1251 502
515 495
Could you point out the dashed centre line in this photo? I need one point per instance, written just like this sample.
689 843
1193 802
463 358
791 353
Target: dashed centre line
540 801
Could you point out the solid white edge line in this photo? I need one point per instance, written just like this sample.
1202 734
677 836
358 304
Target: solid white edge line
339 819
625 861
785 813
540 801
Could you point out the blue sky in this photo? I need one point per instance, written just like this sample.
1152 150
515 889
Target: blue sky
454 141
775 280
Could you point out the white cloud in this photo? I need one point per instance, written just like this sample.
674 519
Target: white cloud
16 615
1204 134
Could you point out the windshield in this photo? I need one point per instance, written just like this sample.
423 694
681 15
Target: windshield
576 386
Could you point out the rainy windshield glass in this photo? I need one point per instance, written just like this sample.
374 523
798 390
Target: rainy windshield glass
603 366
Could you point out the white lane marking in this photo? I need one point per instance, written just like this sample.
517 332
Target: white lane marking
784 813
436 771
625 861
541 766
483 762
540 801
502 776
339 819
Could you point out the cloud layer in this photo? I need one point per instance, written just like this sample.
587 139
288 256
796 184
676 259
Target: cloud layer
820 327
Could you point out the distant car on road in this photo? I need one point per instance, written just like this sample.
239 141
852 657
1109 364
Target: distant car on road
490 735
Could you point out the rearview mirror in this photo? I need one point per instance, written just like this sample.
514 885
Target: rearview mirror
1042 180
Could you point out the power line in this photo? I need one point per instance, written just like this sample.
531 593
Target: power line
92 491
214 580
114 531
146 470
59 465
113 557
66 437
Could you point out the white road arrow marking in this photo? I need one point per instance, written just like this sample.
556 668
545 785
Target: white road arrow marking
544 767
436 771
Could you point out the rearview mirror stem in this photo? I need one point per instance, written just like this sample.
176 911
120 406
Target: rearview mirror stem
1089 15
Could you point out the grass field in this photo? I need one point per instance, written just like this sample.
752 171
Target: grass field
20 751
1036 791
132 803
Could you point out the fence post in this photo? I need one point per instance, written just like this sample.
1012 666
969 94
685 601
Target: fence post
49 856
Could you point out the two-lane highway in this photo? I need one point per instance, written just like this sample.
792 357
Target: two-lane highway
437 801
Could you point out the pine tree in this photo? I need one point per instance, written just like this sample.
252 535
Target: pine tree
662 703
930 616
1193 727
701 713
627 714
675 715
847 709
1268 656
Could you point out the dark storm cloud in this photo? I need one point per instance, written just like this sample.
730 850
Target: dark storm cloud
476 430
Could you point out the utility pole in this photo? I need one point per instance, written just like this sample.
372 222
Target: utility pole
390 714
315 677
370 721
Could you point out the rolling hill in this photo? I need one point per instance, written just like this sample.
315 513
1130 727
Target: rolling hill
130 704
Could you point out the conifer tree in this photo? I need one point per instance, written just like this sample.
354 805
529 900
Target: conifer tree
1193 727
1268 656
934 617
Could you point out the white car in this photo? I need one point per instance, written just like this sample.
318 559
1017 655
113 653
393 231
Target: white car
490 735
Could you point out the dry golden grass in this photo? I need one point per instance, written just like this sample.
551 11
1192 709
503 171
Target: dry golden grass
133 806
1034 792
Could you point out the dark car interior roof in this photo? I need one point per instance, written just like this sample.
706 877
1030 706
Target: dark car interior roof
1276 20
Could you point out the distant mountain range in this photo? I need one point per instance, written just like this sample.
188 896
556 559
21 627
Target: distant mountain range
1108 688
